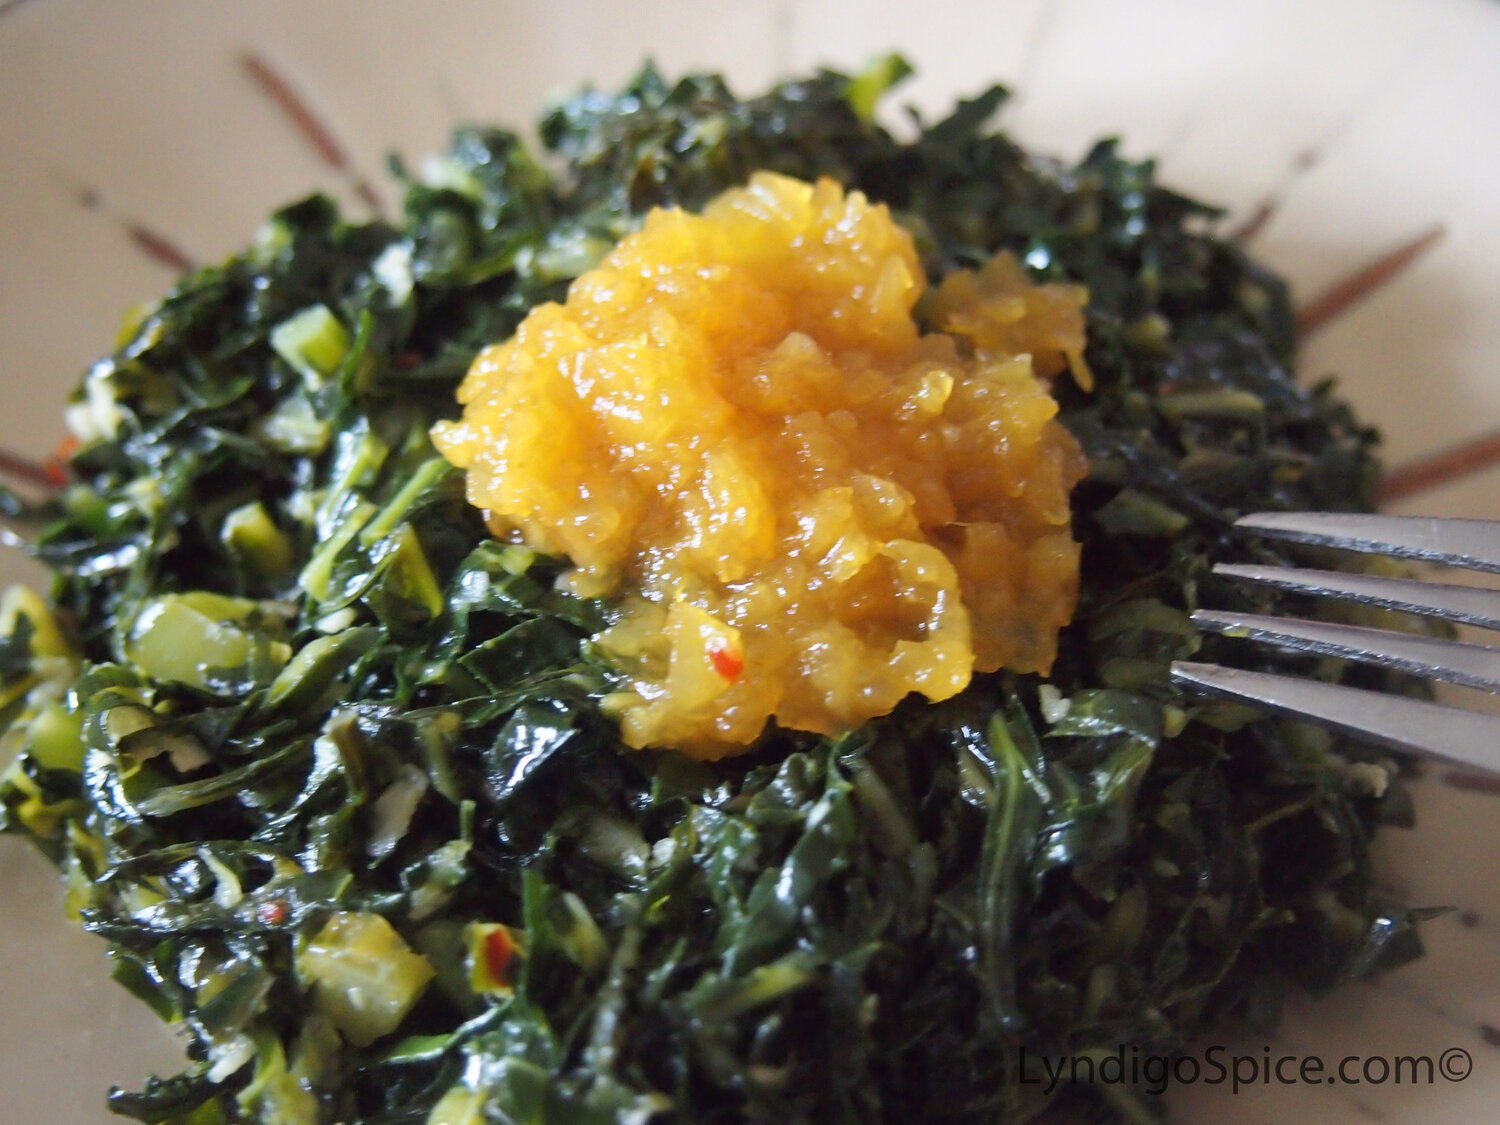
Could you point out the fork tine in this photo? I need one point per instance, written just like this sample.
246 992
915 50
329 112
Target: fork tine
1455 734
1471 605
1435 657
1474 544
1466 738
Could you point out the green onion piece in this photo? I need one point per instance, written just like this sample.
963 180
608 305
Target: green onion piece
1133 512
867 87
255 540
196 639
313 342
516 559
1229 404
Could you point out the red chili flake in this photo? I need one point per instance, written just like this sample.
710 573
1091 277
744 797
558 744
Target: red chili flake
499 951
727 660
56 467
271 913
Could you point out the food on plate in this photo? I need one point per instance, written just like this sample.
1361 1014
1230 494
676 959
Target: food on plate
452 763
805 506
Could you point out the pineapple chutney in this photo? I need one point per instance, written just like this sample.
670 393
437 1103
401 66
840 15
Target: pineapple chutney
801 505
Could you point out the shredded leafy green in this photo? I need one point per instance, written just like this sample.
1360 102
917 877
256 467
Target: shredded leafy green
326 764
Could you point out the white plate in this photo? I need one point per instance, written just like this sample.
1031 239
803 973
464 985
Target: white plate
1368 121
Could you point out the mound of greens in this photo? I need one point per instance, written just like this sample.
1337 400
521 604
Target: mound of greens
301 736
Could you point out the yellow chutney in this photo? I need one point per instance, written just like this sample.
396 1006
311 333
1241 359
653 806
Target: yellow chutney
801 506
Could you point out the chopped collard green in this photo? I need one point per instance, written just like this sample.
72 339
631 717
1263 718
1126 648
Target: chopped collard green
326 766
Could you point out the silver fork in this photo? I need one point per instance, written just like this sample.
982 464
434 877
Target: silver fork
1454 734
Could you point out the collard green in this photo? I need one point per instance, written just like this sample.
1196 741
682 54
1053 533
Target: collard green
326 766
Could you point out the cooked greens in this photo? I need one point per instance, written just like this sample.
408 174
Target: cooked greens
326 765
